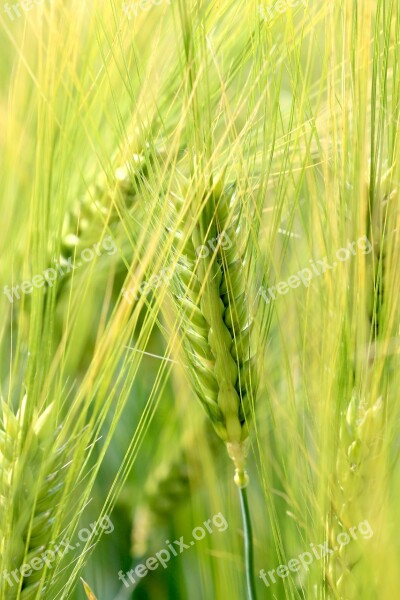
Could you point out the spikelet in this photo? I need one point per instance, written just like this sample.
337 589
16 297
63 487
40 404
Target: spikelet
211 291
31 482
90 595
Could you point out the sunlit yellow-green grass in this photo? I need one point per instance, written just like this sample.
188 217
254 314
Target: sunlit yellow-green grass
118 123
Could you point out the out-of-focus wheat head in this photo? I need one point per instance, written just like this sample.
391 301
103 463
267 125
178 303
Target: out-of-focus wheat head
32 475
354 498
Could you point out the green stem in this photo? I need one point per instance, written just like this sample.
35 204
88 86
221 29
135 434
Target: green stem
248 544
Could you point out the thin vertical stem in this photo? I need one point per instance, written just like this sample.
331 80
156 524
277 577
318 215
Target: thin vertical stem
248 544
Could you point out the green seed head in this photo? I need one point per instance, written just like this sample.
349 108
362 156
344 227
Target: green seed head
31 480
358 452
211 292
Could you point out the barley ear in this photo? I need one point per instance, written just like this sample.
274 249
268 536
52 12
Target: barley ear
211 295
359 448
213 300
168 487
31 481
99 204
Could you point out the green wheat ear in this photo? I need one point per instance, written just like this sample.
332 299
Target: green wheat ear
107 198
361 428
211 292
31 481
360 441
214 294
169 486
100 205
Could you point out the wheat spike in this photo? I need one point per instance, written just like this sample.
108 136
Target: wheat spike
211 294
168 487
31 483
99 205
359 448
361 428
